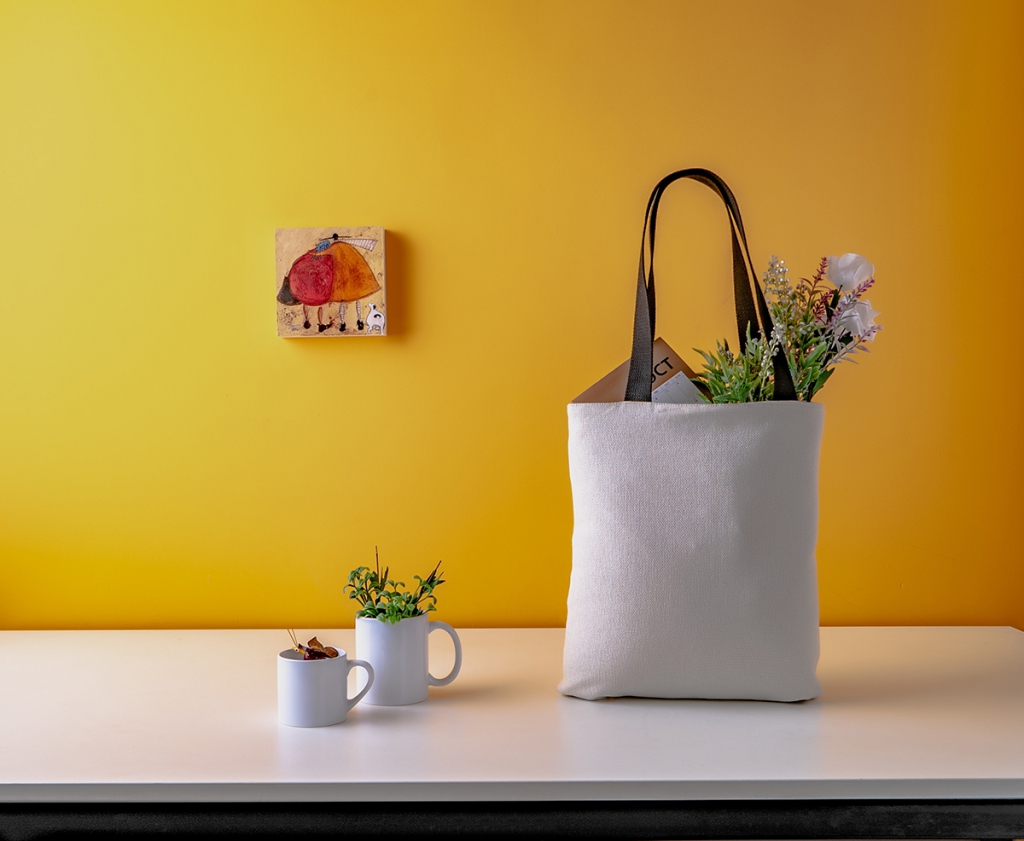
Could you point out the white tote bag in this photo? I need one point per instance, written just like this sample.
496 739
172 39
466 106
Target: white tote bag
693 570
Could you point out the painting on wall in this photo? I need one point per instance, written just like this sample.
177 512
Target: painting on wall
331 282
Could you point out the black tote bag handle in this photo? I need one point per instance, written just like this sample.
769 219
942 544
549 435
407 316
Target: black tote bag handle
748 313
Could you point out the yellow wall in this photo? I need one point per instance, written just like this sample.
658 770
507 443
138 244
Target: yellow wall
167 461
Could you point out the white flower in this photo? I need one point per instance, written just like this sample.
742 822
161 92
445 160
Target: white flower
848 272
858 320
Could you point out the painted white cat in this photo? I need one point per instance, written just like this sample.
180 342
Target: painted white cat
374 320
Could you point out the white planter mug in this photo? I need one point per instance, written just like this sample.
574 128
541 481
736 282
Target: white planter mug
314 693
398 653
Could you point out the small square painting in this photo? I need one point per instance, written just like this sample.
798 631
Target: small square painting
331 282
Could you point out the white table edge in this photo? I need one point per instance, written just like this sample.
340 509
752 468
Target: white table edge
555 790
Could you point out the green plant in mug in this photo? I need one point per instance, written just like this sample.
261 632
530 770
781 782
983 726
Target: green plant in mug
381 598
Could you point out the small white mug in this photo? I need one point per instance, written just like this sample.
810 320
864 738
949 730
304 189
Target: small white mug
398 653
314 693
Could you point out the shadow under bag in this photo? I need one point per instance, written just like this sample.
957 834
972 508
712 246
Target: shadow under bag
693 567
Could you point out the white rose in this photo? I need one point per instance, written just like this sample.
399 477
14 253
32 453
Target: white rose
858 319
848 272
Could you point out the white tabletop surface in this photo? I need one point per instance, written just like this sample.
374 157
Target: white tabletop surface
191 716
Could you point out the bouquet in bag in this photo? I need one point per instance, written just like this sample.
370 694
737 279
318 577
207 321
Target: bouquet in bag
818 323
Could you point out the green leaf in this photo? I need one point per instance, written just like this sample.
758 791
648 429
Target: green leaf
822 380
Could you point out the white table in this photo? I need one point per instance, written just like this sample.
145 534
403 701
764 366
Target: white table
920 732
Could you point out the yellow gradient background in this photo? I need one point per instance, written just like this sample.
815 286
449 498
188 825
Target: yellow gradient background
167 461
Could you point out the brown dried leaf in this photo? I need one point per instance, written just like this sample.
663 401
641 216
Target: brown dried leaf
316 650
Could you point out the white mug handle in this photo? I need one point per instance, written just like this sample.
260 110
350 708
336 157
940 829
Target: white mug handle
369 682
454 673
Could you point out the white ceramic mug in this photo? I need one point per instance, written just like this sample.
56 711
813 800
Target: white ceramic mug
314 693
398 653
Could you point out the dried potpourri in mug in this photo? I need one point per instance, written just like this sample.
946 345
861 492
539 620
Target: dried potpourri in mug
314 649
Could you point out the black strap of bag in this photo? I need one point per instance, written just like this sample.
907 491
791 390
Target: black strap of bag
748 313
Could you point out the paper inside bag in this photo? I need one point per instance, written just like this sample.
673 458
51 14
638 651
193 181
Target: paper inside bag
670 381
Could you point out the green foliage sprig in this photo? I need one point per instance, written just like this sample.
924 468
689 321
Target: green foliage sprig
739 378
381 598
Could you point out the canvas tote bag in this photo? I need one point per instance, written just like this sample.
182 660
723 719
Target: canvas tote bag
693 567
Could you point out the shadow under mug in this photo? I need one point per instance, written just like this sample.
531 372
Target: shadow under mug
314 693
398 653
